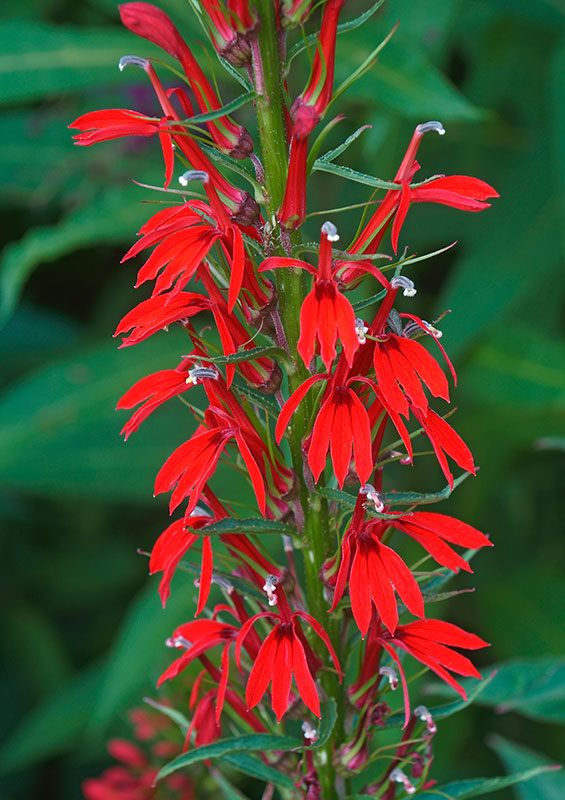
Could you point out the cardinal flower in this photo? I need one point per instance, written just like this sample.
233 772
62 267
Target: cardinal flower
284 654
374 571
458 191
431 641
342 425
325 313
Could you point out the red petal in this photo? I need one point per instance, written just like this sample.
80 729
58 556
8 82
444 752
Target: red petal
282 674
292 404
303 677
262 672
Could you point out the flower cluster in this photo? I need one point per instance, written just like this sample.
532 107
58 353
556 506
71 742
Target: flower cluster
302 396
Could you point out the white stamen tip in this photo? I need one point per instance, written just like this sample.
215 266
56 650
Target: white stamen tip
397 776
433 330
373 497
330 230
194 175
136 61
309 731
177 641
361 330
270 588
223 583
390 674
199 373
422 713
404 283
432 125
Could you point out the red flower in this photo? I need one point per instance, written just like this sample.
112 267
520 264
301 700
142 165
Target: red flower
458 191
325 312
114 123
374 571
431 641
284 654
342 424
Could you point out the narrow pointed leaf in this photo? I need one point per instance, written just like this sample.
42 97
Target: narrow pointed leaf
331 155
346 499
261 742
417 498
220 112
478 787
251 355
515 757
329 717
258 525
352 175
251 765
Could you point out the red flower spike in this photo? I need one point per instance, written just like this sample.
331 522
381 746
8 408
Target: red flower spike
458 191
325 312
282 656
153 24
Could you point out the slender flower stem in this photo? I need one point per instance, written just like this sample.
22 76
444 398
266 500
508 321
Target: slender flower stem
292 288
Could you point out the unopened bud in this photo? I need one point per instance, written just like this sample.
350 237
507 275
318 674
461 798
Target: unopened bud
136 61
199 373
373 497
404 283
309 731
432 125
194 175
390 674
330 230
361 330
397 776
424 714
270 588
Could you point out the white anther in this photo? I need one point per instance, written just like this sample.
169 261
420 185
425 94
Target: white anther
373 497
397 776
432 125
136 61
194 175
198 373
437 334
361 330
390 674
331 231
423 713
270 588
199 511
287 543
309 731
223 583
177 641
404 283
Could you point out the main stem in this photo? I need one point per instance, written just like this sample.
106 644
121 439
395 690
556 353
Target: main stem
292 287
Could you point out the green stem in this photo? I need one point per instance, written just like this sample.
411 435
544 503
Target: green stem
292 287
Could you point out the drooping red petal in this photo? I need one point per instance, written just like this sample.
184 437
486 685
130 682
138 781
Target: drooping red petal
262 673
304 682
282 673
292 404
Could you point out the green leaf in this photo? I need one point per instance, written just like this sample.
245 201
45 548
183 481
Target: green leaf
349 500
329 717
331 155
299 47
416 498
220 112
55 725
39 60
534 687
111 218
253 766
134 655
176 716
477 787
351 175
251 355
360 304
261 742
447 709
515 757
257 398
258 525
363 68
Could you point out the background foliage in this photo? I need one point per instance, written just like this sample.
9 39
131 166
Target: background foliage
83 626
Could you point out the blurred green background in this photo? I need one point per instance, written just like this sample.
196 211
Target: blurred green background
83 628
